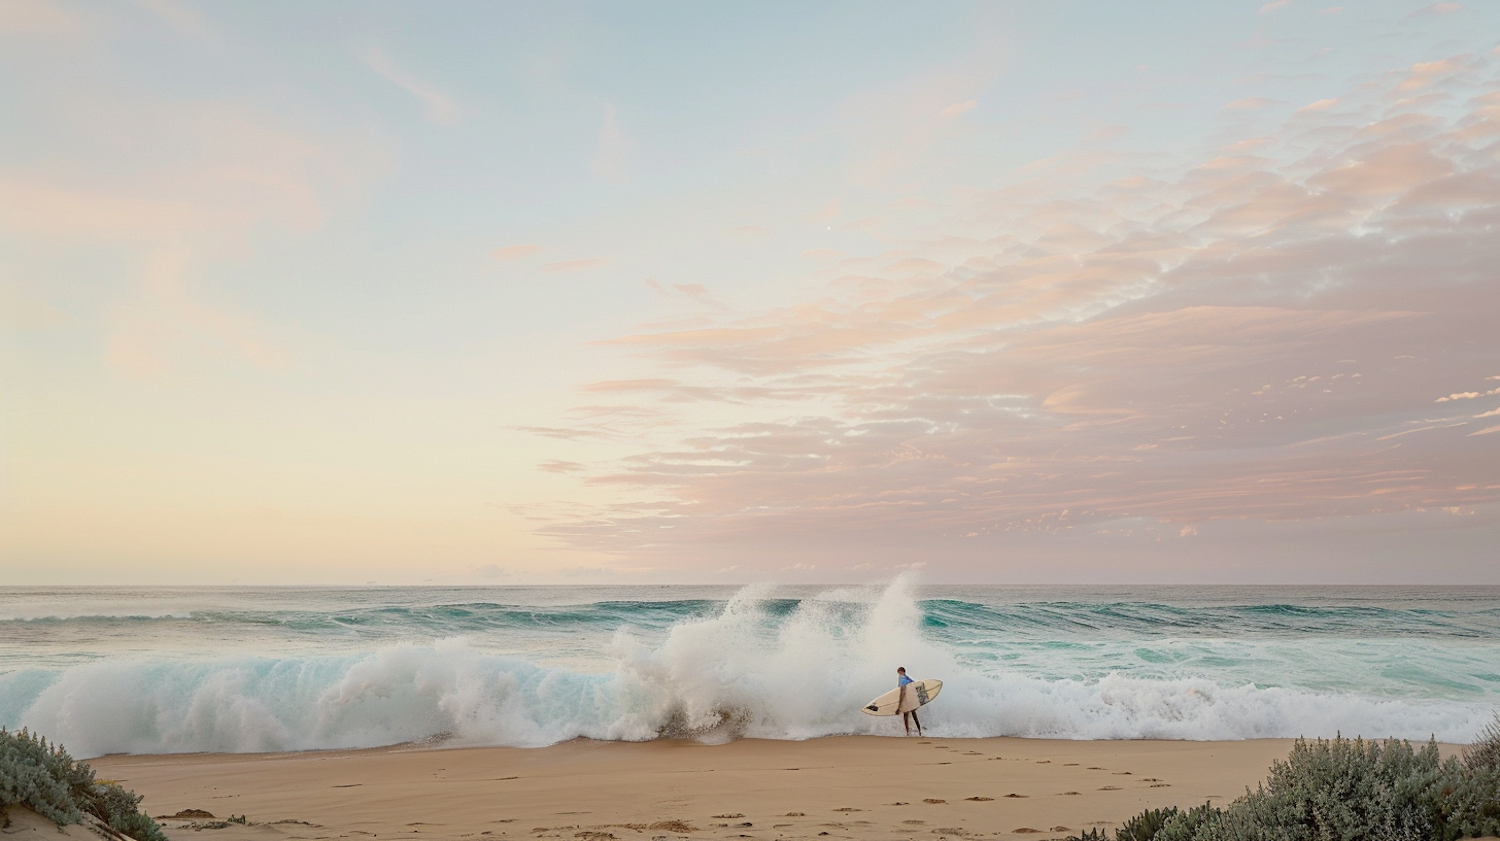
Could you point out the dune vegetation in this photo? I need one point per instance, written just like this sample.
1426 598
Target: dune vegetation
1346 789
46 779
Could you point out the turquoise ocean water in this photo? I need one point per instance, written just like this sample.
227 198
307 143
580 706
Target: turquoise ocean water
240 669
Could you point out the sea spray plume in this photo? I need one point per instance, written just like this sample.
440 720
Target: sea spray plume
732 674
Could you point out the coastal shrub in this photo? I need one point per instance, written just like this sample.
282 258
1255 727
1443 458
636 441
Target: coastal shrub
50 782
1146 825
1339 789
1347 789
1184 826
41 777
1485 752
120 808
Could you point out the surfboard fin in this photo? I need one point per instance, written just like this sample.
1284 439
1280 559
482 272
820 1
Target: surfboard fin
873 707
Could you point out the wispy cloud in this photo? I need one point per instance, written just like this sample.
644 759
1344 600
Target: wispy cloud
959 108
575 265
1252 338
36 17
163 316
514 252
185 17
175 188
439 107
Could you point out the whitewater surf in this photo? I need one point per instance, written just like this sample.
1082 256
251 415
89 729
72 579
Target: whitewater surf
108 670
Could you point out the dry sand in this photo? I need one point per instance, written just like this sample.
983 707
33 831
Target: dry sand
856 787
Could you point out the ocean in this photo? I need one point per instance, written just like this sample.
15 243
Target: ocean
112 670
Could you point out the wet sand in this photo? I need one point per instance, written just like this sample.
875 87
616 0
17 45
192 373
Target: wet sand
856 787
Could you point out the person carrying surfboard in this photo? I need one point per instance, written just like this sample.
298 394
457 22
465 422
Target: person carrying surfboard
901 681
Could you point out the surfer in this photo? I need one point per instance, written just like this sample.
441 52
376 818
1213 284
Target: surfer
901 681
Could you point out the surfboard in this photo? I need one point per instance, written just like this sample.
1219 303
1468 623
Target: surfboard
918 693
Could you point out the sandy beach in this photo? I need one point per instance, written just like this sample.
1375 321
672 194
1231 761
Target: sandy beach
837 788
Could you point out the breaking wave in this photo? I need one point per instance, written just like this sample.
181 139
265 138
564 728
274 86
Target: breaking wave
757 666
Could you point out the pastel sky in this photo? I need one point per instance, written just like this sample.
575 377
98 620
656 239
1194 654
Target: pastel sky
509 293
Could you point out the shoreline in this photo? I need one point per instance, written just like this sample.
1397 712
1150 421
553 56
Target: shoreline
833 787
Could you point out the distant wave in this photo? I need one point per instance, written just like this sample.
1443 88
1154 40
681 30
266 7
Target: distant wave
1031 619
770 668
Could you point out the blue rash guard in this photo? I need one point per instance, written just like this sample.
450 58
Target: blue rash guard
903 680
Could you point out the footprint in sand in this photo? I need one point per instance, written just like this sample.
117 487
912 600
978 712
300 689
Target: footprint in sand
933 800
1059 829
979 799
914 822
1069 792
1017 795
730 815
1069 764
1025 830
1110 788
1042 762
795 815
848 809
1161 785
1124 773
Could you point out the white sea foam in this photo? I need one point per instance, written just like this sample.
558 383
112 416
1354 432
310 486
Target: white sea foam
743 671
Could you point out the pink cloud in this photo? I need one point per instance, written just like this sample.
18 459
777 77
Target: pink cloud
575 265
514 252
36 17
440 108
163 319
185 18
1256 338
959 108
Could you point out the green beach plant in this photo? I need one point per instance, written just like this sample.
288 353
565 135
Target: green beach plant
1346 789
42 777
1146 825
46 779
1485 752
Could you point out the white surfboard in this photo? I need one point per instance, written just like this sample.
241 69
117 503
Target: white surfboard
918 693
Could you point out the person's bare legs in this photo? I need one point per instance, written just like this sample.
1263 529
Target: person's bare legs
918 721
